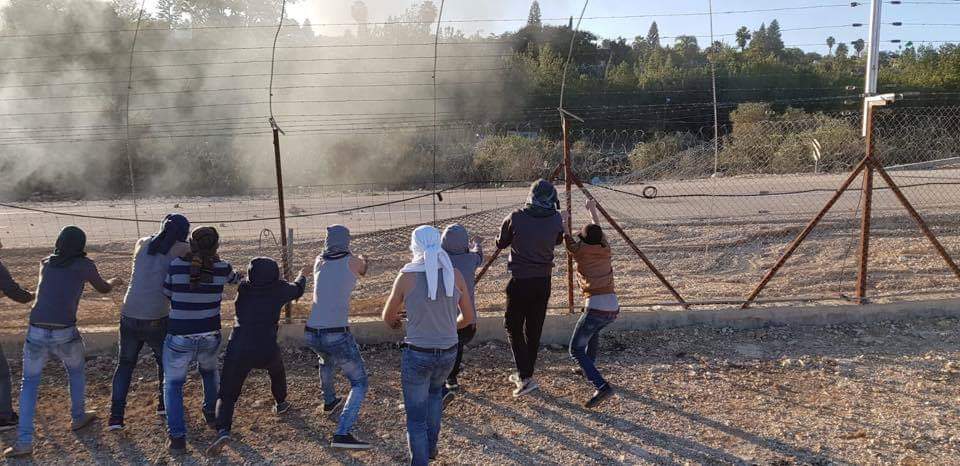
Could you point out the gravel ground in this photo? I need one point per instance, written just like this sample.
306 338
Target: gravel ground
883 393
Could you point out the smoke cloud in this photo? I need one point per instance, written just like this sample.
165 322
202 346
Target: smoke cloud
356 104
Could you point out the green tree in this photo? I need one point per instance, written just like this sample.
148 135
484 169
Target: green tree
169 12
774 38
653 35
533 19
758 40
687 47
858 46
743 37
842 50
830 42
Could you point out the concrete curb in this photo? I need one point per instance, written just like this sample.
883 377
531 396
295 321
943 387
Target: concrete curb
558 328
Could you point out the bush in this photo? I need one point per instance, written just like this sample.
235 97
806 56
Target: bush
663 155
515 157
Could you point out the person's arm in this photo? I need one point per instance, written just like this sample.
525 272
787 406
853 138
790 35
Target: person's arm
299 286
358 265
467 315
392 309
233 277
505 238
97 281
591 206
12 289
572 244
477 248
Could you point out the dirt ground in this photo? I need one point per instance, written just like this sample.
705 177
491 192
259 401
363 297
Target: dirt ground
712 249
883 393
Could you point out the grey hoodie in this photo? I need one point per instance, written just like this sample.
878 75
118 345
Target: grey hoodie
456 243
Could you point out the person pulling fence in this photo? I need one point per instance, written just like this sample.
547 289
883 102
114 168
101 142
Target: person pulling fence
11 289
532 233
145 310
466 257
327 332
593 257
194 284
53 331
436 301
253 343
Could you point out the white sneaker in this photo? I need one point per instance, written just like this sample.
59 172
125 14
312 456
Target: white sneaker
515 378
525 387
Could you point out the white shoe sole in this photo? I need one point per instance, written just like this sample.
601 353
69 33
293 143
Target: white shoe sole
114 428
529 388
217 445
350 446
6 428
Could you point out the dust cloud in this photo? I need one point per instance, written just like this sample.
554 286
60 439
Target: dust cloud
355 100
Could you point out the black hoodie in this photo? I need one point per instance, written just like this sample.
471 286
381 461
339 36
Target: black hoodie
260 300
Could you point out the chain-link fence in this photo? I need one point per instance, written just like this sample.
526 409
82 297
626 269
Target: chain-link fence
712 215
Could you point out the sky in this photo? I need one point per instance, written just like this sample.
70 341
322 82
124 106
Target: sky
840 16
923 21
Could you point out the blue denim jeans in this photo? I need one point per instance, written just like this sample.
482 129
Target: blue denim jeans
422 376
584 343
178 352
67 345
340 350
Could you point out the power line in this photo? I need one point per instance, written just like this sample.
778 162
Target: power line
449 21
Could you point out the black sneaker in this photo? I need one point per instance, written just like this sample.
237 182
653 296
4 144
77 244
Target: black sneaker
576 371
447 399
223 438
348 441
282 407
599 396
211 419
330 409
177 445
115 423
9 422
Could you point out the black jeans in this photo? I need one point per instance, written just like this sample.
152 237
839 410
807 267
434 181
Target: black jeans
526 309
133 334
235 371
464 336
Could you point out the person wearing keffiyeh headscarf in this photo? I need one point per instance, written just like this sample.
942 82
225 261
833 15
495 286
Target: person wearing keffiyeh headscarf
437 303
204 242
145 310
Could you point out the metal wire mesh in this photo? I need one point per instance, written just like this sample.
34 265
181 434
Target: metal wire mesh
712 221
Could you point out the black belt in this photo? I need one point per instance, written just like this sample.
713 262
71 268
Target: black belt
52 326
321 331
429 350
607 314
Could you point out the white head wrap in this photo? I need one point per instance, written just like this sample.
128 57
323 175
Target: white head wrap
429 257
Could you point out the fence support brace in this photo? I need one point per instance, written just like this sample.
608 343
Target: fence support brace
867 165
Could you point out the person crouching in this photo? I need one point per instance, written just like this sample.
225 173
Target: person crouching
253 343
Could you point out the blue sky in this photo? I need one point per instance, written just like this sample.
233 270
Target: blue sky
320 11
933 21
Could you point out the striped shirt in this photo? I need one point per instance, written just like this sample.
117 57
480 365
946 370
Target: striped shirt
196 311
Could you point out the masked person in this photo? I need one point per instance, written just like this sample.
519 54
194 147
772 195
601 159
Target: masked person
531 233
11 289
466 257
327 332
53 331
435 297
143 316
591 252
194 284
253 343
